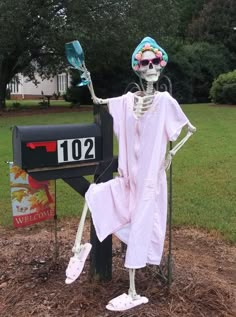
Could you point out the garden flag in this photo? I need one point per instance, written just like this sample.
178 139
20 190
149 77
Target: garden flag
32 201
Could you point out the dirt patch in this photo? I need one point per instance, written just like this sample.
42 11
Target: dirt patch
32 284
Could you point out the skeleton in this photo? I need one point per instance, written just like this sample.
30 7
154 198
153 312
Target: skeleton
150 71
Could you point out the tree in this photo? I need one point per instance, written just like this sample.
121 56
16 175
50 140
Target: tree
33 34
193 67
215 24
32 37
188 10
110 31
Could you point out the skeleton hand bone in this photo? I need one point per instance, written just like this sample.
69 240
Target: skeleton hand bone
98 101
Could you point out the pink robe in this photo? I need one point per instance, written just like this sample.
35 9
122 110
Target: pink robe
133 206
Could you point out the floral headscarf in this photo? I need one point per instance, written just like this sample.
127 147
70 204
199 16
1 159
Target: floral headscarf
148 44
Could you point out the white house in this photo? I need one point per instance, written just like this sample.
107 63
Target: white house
22 88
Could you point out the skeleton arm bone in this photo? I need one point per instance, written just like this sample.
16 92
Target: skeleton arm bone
172 152
191 128
96 100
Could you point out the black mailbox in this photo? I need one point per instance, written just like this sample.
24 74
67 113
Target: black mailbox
70 152
56 145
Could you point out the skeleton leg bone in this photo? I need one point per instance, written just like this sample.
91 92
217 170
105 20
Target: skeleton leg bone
132 290
81 252
124 301
76 265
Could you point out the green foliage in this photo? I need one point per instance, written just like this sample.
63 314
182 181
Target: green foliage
107 84
229 93
223 89
77 96
34 103
214 24
56 95
112 83
110 30
16 105
193 67
188 10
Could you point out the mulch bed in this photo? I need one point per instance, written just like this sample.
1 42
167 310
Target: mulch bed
32 281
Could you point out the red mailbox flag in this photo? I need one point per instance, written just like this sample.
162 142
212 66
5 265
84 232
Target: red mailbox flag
32 201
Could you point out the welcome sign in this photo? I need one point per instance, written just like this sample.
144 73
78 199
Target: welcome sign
32 201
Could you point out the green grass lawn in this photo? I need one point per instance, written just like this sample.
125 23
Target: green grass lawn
204 170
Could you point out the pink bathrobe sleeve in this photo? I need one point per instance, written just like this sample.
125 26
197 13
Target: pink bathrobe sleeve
114 107
175 119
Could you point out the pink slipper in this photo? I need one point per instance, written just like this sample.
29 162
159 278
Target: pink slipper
124 302
76 264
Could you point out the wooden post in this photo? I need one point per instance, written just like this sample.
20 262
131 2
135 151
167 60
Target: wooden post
101 253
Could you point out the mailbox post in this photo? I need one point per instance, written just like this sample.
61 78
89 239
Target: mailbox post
70 152
101 253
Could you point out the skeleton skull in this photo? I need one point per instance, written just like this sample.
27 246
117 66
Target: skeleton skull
151 71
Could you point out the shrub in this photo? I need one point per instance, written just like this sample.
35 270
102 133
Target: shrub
77 96
193 67
106 84
223 89
16 105
56 96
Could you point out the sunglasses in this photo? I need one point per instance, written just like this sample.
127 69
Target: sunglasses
146 62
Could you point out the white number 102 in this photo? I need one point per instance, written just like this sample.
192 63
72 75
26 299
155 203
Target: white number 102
75 150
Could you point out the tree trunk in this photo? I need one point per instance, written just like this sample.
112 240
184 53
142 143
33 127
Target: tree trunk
3 87
6 74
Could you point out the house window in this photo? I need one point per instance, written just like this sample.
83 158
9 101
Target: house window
14 86
62 83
